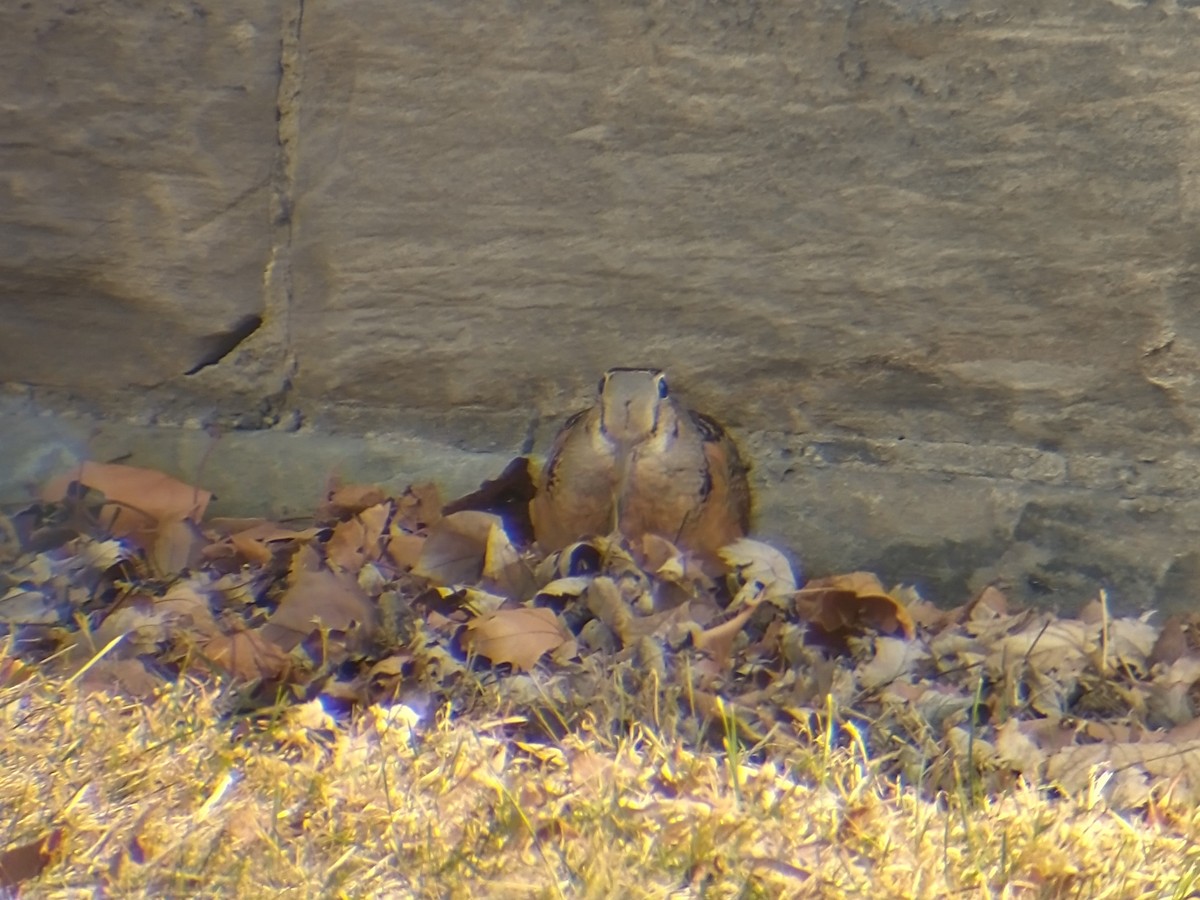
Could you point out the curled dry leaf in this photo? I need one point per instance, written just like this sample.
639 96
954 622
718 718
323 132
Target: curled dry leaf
764 572
849 604
561 591
717 642
893 659
517 637
580 558
661 557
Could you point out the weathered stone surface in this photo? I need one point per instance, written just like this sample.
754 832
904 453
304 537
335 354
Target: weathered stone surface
937 263
137 150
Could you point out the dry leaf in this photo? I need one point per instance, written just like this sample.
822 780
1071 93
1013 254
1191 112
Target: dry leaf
507 497
893 659
1018 751
989 604
850 604
559 592
718 641
419 507
518 637
128 676
251 539
404 549
763 571
503 569
358 541
137 498
319 599
28 861
344 500
1057 645
22 606
246 655
456 549
177 546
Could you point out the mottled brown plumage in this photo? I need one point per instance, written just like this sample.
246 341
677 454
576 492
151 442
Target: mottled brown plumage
638 462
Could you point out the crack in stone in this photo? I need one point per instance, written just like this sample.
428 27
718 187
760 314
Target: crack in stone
277 277
215 347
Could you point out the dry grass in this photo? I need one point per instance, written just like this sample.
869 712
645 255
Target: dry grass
175 798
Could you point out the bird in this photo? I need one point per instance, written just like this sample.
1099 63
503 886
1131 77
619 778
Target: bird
638 462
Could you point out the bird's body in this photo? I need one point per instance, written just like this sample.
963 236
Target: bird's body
638 462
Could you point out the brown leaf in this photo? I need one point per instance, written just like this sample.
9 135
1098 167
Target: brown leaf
718 640
177 546
507 497
518 637
247 655
149 623
129 677
1016 749
850 604
358 541
893 659
253 540
137 498
503 569
404 548
764 572
144 627
344 500
456 549
186 608
27 861
989 603
419 507
1172 641
251 550
319 599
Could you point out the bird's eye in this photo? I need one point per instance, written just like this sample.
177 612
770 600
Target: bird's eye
662 386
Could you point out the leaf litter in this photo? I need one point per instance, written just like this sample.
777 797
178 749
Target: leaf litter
116 579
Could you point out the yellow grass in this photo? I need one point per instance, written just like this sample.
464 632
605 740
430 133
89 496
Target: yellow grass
176 798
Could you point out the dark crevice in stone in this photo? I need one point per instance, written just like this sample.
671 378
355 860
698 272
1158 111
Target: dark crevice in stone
215 347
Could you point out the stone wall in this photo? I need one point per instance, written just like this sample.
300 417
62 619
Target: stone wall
937 264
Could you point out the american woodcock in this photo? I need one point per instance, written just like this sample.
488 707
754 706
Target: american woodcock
637 461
